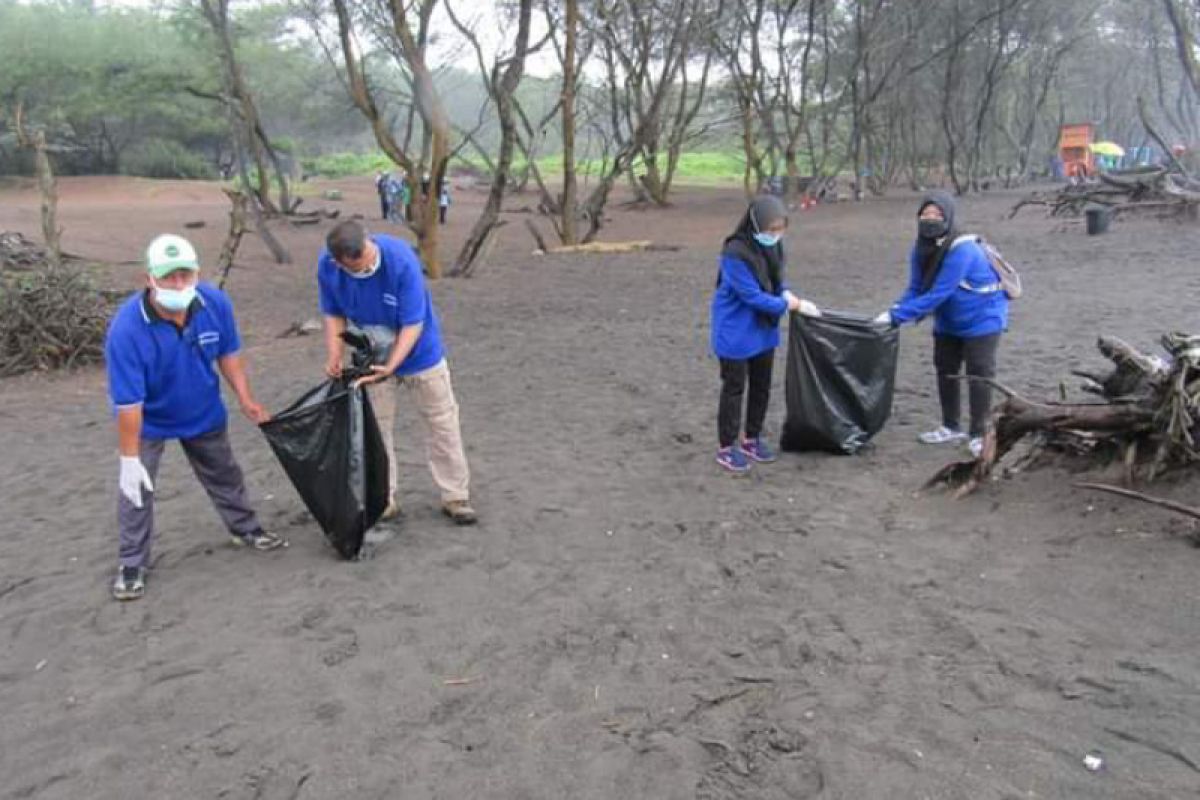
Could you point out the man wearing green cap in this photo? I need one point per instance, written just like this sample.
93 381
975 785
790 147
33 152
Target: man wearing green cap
161 350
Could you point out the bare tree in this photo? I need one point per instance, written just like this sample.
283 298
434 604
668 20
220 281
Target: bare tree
409 48
501 87
47 186
249 127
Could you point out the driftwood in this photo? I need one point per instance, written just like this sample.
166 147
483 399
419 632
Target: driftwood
599 247
50 317
237 229
1164 191
1190 511
1148 415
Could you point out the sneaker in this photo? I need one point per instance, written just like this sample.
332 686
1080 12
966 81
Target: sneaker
259 540
975 446
756 450
130 583
391 512
942 435
733 459
460 512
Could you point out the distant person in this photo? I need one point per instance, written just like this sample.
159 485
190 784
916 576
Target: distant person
382 181
406 196
951 278
164 350
443 203
395 190
425 187
376 283
751 298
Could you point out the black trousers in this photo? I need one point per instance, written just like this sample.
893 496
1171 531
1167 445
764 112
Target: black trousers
979 355
735 374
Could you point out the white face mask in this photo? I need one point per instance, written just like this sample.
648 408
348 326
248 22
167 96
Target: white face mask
174 299
369 271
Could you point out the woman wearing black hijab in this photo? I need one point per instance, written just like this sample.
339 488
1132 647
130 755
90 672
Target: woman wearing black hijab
951 277
750 299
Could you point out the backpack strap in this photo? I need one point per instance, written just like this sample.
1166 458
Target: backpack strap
976 239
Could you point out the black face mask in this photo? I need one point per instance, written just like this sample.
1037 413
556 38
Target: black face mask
931 228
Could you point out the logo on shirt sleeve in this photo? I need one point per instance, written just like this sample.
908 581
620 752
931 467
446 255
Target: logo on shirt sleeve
208 337
389 299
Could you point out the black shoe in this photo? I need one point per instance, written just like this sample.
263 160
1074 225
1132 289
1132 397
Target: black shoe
130 583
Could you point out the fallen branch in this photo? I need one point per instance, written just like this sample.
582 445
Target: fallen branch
602 247
1194 513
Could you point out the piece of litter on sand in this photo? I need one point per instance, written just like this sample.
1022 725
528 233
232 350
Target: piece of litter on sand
40 665
458 681
1093 761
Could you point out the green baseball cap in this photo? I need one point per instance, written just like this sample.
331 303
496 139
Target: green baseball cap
168 253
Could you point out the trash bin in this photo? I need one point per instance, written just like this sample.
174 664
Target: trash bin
1097 220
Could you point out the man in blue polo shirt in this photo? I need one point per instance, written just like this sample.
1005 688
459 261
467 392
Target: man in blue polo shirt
376 283
161 350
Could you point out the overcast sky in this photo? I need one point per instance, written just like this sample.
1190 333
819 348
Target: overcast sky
492 30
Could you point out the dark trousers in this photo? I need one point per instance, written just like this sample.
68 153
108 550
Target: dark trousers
384 207
212 460
735 374
979 355
442 214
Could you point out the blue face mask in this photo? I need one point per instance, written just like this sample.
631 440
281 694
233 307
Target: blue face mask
174 299
767 239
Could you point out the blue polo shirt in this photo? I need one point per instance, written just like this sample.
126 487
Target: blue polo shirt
395 295
170 371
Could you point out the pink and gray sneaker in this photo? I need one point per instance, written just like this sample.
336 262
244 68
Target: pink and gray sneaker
733 459
756 450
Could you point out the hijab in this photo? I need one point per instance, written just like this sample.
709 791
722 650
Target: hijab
931 252
767 263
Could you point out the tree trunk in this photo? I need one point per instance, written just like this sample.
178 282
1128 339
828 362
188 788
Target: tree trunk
569 203
485 227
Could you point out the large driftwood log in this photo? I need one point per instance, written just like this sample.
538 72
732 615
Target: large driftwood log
1162 190
1151 415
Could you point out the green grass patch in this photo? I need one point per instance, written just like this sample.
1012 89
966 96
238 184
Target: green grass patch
705 168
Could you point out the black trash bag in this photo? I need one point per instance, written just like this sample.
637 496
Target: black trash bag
841 374
331 448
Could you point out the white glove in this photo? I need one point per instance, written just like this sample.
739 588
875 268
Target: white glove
883 319
809 309
133 479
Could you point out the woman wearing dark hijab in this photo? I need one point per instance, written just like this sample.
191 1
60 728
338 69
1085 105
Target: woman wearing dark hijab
750 299
950 277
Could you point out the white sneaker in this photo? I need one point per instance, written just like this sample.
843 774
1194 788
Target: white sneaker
975 446
942 435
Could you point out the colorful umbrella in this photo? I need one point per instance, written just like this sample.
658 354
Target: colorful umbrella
1107 149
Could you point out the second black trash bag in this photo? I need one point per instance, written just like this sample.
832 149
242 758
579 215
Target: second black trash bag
331 448
841 374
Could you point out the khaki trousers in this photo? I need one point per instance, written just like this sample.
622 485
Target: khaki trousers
434 396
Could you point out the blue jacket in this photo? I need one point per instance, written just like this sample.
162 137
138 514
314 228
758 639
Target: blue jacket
964 299
738 330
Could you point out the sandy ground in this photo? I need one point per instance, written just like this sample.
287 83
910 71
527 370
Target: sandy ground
626 621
